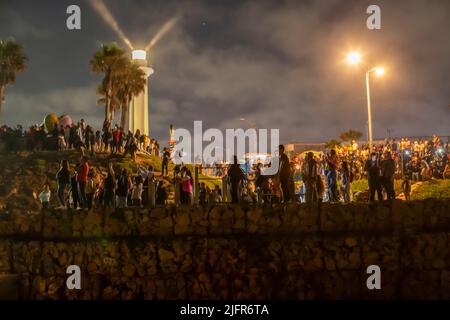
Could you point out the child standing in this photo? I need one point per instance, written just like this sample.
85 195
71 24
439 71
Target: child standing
44 196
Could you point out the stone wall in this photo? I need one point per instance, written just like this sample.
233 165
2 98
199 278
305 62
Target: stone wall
232 252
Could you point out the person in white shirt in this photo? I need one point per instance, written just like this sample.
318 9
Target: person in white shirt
44 197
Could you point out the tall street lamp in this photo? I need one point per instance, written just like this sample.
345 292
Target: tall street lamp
355 58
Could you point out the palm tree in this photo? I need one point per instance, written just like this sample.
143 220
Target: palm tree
110 61
132 83
331 144
12 61
350 135
113 101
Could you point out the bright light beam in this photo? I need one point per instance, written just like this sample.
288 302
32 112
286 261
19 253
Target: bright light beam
100 7
166 27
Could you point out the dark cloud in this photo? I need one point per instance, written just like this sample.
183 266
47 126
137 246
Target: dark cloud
277 63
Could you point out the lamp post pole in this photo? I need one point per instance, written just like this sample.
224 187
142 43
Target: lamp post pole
354 58
369 110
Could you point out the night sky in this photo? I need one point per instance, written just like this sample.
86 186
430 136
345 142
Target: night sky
280 64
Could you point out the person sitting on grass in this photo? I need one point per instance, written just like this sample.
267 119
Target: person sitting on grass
44 196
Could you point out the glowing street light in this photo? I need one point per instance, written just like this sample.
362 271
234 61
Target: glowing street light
379 71
354 58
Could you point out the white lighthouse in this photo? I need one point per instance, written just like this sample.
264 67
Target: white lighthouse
138 113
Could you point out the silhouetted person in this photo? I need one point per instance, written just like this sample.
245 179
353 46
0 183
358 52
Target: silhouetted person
373 176
165 162
161 193
309 175
387 167
285 175
82 177
236 176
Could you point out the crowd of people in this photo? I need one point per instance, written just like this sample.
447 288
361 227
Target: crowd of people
82 187
82 137
328 176
308 177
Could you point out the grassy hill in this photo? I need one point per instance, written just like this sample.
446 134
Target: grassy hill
434 188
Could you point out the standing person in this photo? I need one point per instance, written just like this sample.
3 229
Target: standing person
187 183
80 132
74 187
106 137
88 138
82 176
406 186
109 187
373 176
387 175
72 136
134 148
218 193
149 186
44 197
309 175
415 169
121 136
92 141
98 141
165 162
177 176
261 184
137 136
345 182
202 194
332 163
124 186
90 190
236 177
156 148
63 179
284 173
136 194
161 193
115 140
